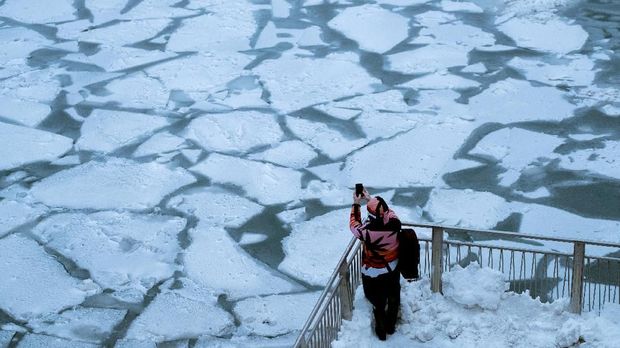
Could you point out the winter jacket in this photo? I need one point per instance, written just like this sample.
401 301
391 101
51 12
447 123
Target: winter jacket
380 238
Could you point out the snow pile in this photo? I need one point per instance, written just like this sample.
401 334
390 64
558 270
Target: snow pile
476 312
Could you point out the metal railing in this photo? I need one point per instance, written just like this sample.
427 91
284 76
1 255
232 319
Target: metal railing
589 281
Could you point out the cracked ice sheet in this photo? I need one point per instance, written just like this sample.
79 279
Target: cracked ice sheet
596 161
81 324
160 143
38 11
228 268
467 208
427 59
214 206
14 214
34 283
392 101
104 11
114 58
21 146
25 112
551 34
454 34
125 252
18 42
44 341
307 254
295 83
188 312
235 132
135 91
575 70
384 125
293 154
39 85
374 28
275 315
511 100
329 141
112 184
119 34
265 182
106 131
441 80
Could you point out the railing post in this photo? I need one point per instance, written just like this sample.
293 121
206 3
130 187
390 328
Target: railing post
437 259
576 292
346 302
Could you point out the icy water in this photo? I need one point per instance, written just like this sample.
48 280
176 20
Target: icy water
180 172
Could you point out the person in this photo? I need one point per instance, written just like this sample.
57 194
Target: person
380 276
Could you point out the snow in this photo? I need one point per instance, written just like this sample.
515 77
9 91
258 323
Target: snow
427 59
263 181
14 214
30 146
314 247
295 82
228 268
44 341
24 112
80 324
457 6
234 132
597 161
578 71
479 314
160 143
112 184
293 154
31 11
374 28
552 35
124 252
34 283
106 131
275 315
194 311
441 80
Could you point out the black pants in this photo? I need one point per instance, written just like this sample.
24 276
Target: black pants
384 291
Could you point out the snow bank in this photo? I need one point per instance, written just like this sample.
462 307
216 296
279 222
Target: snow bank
113 184
485 292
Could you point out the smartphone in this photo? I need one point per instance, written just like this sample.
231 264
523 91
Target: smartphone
359 190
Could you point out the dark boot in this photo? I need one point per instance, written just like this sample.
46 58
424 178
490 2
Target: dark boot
380 324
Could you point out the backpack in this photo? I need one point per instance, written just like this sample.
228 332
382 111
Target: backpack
408 254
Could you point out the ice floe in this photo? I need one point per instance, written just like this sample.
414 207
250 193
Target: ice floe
313 248
598 161
458 6
5 337
280 9
38 11
275 315
328 193
187 312
552 35
265 182
454 34
478 68
574 71
293 154
14 214
23 146
160 143
427 59
374 28
191 155
106 131
611 110
392 101
249 238
18 42
112 184
384 125
441 80
40 341
135 91
80 324
34 283
114 58
37 85
234 132
295 83
118 34
216 207
124 252
228 268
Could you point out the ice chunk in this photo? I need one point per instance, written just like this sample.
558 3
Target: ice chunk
454 34
135 91
37 11
603 161
252 238
441 80
121 33
478 68
160 143
467 208
38 85
234 132
67 161
275 315
292 215
611 110
113 184
33 282
243 99
293 154
124 252
329 141
402 2
434 18
385 125
5 337
216 207
295 83
338 112
541 192
280 9
457 6
263 181
485 292
427 59
18 42
328 193
80 324
115 57
374 28
577 71
44 341
14 214
270 36
29 145
310 36
552 35
313 248
229 269
392 101
106 131
194 311
513 100
191 155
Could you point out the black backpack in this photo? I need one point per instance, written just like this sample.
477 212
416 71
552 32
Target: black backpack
408 254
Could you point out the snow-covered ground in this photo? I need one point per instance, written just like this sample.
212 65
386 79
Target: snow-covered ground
192 161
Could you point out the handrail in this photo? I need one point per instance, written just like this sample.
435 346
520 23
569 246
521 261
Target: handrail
336 300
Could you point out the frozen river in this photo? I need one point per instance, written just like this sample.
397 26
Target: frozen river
180 171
